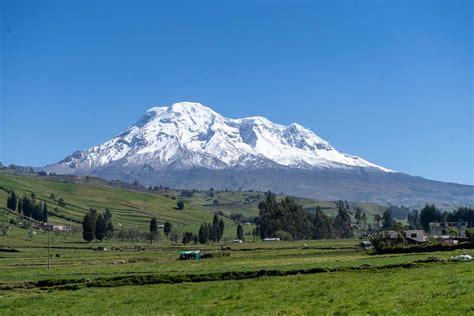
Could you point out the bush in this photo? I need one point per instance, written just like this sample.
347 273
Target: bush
180 205
283 235
470 233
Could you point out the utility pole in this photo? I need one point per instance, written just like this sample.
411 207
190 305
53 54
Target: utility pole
49 248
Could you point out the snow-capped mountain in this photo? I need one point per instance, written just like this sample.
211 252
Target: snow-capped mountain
188 135
189 146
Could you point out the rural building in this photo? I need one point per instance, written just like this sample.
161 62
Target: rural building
416 235
442 228
390 234
61 228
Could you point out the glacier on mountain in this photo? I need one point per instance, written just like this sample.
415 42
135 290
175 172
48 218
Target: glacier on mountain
188 135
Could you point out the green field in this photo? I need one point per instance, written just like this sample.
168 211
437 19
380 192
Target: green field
138 277
323 277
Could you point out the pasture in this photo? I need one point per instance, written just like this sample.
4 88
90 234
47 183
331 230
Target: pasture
139 277
323 277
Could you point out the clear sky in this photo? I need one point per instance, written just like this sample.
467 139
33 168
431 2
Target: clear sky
391 81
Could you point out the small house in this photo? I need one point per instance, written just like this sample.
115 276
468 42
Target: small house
444 228
390 234
416 235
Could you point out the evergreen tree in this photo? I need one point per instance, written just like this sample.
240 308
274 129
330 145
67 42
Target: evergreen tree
322 225
110 226
387 220
342 223
377 221
240 232
89 225
88 228
167 228
221 228
20 206
12 201
287 216
26 203
107 215
209 231
153 225
100 227
180 205
9 202
429 214
413 219
45 212
37 211
203 234
215 228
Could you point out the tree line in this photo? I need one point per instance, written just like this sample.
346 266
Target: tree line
211 232
430 213
28 207
96 225
288 220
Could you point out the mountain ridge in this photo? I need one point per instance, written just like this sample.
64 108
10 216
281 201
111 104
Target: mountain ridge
197 136
188 145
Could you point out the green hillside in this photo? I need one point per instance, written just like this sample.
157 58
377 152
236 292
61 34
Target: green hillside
133 206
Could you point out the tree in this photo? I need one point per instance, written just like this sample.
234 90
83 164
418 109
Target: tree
429 214
322 225
61 202
240 232
215 231
153 229
107 215
221 229
377 220
180 205
20 206
361 220
100 227
174 235
187 238
167 229
45 212
203 234
153 225
286 215
413 219
342 223
12 201
88 226
26 204
110 227
387 220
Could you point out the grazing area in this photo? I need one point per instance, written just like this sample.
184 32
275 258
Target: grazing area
271 277
48 269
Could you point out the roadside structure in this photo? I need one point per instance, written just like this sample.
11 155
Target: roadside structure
440 229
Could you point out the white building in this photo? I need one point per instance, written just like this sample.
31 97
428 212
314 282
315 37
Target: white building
417 235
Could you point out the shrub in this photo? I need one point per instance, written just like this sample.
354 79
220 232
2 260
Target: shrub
283 235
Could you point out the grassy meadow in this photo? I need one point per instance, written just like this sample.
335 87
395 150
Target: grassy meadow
139 277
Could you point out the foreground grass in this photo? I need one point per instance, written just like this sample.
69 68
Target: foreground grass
431 289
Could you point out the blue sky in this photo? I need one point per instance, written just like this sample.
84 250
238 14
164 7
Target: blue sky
391 81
